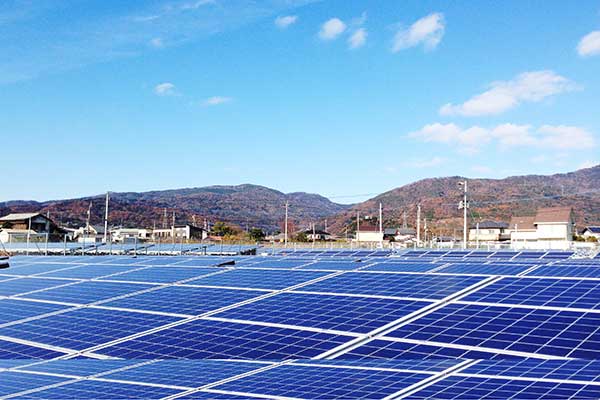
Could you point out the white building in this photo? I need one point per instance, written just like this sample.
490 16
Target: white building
185 232
369 234
129 234
488 231
550 228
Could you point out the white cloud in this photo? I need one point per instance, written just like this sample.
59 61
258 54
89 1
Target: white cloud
589 45
194 5
285 21
471 140
358 39
165 89
359 20
331 29
428 31
157 43
216 100
503 95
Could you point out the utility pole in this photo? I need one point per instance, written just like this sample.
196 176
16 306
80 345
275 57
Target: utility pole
404 223
165 219
325 226
381 222
419 225
87 222
425 229
285 228
357 224
173 227
106 219
464 205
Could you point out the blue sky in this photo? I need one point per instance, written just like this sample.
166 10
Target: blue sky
343 98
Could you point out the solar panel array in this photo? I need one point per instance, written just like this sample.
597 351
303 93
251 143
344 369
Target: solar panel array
323 324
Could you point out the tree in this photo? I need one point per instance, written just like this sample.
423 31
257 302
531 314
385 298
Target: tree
222 229
301 237
256 234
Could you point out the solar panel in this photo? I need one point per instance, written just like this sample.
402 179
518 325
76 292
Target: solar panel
400 285
333 265
14 310
219 339
259 279
541 292
163 274
432 365
25 285
33 269
79 367
460 387
15 382
279 264
564 271
89 271
486 269
342 313
551 332
184 300
89 389
578 370
85 327
402 267
12 350
312 382
87 292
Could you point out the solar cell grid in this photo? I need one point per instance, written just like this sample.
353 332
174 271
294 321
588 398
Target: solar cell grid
557 333
184 300
14 310
33 269
323 382
15 382
11 350
577 370
334 265
89 271
541 292
566 271
163 274
89 389
87 292
279 264
85 327
216 339
343 313
259 279
458 387
79 367
402 267
486 269
400 285
190 373
413 364
25 285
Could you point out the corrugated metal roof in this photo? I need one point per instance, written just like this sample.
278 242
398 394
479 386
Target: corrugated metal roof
19 216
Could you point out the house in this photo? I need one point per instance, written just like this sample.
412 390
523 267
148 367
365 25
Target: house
179 232
369 233
92 233
316 235
19 225
522 229
129 235
488 231
591 232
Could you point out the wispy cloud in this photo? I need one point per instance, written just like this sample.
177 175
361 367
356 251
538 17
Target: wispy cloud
165 89
285 21
332 28
472 139
358 38
427 31
502 96
589 45
157 43
216 100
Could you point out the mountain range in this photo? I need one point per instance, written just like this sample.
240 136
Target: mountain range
258 206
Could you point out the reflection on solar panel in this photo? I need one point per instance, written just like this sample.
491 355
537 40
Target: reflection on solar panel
12 350
14 382
577 370
342 313
163 274
259 279
218 339
566 271
14 310
486 269
402 267
551 332
103 390
25 285
541 292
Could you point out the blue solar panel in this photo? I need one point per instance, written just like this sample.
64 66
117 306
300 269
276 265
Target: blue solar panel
344 313
33 269
283 264
323 382
190 373
87 292
216 339
486 269
89 389
15 382
564 271
402 267
334 265
24 285
83 328
79 367
259 279
558 333
163 274
14 310
401 285
90 271
459 387
541 292
579 370
11 350
205 262
395 350
184 300
416 365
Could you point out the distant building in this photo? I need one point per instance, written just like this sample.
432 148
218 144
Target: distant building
317 235
551 227
19 225
92 233
128 235
185 232
489 231
591 231
368 233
